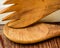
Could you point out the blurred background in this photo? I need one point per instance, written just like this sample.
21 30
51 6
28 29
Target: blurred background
54 17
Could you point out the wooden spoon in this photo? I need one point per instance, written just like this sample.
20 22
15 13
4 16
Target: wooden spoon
32 34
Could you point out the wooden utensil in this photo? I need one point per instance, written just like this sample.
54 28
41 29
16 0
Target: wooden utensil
29 11
32 34
50 43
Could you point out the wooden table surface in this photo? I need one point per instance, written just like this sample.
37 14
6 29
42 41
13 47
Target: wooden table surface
6 43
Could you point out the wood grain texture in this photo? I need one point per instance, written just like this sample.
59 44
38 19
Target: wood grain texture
51 43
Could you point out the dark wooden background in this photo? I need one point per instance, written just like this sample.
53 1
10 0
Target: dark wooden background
5 43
